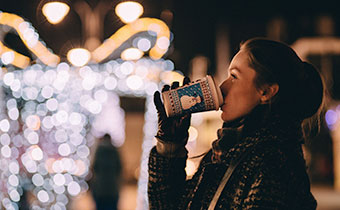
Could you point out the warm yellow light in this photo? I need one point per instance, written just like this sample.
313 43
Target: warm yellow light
33 122
169 76
32 42
81 168
55 11
129 11
19 60
127 31
78 56
132 54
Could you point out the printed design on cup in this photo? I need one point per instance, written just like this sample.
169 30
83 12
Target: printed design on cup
193 98
207 94
190 101
175 103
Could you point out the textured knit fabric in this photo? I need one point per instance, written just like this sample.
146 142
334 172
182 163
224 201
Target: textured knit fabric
272 176
219 147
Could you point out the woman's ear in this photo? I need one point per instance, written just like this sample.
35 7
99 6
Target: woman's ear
268 92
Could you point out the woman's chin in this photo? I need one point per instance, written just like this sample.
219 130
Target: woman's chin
225 117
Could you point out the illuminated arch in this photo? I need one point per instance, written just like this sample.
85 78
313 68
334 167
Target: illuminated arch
31 42
152 25
127 31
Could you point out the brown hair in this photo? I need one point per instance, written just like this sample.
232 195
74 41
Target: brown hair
301 87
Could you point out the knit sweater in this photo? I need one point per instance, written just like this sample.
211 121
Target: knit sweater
272 176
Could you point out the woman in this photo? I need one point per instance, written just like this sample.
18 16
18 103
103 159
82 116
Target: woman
257 160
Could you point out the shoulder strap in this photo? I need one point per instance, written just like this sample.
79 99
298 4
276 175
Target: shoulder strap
226 178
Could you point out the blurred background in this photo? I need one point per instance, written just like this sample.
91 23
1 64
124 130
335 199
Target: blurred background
74 71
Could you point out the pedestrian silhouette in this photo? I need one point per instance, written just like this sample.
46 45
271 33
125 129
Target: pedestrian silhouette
105 183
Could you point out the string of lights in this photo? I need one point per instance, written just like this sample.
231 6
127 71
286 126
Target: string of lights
51 110
48 120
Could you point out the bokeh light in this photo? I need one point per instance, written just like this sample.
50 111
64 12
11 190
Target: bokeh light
54 111
78 56
7 58
132 54
129 11
55 11
332 117
144 44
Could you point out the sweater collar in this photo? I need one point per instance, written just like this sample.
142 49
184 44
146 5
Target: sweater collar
249 131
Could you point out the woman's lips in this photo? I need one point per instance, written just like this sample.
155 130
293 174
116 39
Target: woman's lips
221 107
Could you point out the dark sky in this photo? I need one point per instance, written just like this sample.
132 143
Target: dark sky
194 22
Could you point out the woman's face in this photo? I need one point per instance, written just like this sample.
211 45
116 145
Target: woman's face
240 95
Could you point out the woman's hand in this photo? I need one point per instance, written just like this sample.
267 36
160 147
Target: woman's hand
171 130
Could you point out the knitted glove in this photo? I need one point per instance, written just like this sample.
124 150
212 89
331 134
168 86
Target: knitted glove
172 134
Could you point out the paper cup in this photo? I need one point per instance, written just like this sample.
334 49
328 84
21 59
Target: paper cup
198 96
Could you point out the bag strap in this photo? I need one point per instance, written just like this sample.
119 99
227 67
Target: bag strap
226 178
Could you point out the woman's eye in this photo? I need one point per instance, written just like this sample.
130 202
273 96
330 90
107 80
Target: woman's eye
233 76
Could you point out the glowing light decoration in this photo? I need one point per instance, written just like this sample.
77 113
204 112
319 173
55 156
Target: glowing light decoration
132 54
30 39
332 117
53 122
55 11
143 44
52 112
18 60
7 57
154 26
78 56
129 11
